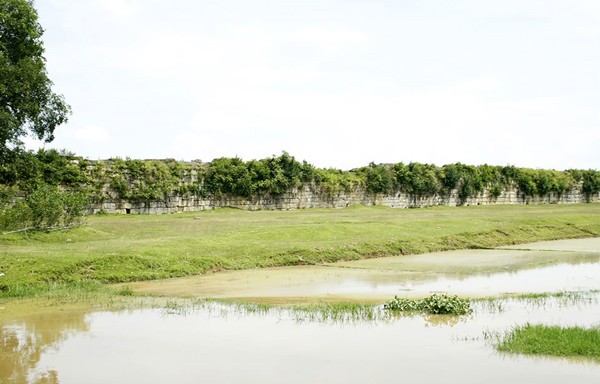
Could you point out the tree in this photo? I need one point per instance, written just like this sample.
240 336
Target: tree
27 103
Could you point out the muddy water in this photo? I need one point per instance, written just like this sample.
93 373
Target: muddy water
569 265
215 344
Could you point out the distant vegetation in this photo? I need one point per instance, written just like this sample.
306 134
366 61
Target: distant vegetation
147 180
73 179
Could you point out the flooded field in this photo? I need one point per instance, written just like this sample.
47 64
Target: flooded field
220 344
567 265
215 343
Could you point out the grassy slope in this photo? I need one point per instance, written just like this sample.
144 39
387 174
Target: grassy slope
129 248
553 341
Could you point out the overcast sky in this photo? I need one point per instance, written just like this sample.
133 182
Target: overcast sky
338 83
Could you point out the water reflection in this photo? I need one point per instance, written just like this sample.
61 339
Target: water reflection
24 339
223 344
473 273
318 283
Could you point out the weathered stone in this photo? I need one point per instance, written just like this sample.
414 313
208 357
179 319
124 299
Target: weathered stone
312 196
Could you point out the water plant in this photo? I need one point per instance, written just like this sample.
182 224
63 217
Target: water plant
434 304
337 312
125 291
537 339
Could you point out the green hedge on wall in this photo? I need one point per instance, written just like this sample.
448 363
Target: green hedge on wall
152 180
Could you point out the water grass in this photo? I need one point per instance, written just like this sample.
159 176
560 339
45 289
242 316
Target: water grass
538 300
337 312
531 339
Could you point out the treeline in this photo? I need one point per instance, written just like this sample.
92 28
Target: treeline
152 180
469 181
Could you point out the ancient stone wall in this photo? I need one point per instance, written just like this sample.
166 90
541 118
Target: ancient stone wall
313 196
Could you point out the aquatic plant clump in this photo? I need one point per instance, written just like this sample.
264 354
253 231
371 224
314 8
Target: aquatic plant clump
434 304
552 341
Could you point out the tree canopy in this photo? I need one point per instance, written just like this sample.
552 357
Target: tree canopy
28 106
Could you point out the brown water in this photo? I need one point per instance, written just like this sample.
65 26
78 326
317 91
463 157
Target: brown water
212 343
216 344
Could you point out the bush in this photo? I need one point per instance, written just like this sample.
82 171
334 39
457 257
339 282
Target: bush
274 175
43 208
591 182
418 179
334 181
378 178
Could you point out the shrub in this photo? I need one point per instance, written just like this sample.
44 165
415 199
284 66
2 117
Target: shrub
591 182
44 207
495 191
378 178
418 179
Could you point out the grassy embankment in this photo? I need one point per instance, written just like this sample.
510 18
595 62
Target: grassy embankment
112 249
553 341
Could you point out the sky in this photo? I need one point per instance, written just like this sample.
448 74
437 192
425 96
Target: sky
338 83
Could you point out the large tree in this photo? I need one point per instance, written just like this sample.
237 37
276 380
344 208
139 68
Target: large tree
28 106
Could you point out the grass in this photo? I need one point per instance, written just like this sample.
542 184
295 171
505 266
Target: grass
126 248
563 298
322 312
337 312
553 341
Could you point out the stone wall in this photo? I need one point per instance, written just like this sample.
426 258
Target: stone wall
313 196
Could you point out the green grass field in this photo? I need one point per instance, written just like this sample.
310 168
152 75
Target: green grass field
113 248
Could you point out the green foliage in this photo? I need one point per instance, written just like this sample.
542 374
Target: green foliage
274 175
27 169
377 178
418 179
156 180
27 103
470 180
525 179
401 304
434 304
334 181
591 182
142 180
233 176
43 207
532 182
495 191
452 176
